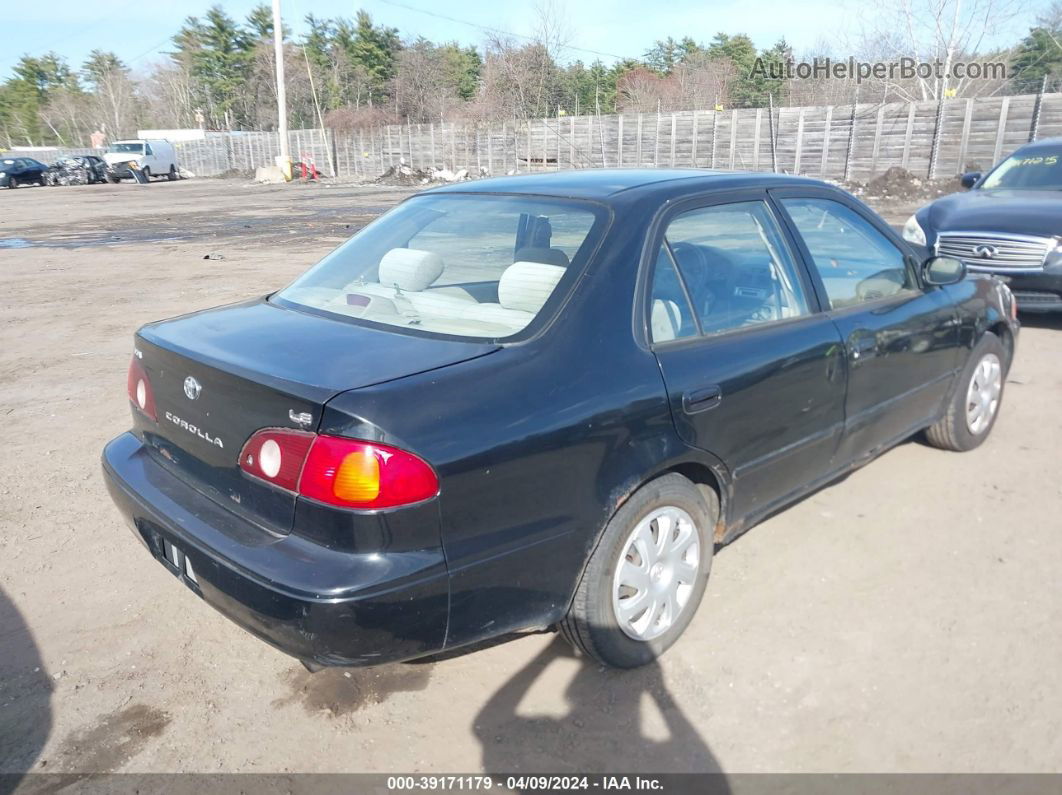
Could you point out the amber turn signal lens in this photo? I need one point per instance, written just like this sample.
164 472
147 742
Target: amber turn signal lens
358 477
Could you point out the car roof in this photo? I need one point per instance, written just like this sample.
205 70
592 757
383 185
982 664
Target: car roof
606 183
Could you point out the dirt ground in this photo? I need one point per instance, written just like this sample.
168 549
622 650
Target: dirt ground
904 619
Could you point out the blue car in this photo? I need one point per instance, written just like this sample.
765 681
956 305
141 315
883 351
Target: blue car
15 171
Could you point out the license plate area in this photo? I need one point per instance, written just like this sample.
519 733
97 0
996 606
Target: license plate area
173 558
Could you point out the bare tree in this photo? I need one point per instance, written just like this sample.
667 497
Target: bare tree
114 102
67 115
941 33
169 93
422 91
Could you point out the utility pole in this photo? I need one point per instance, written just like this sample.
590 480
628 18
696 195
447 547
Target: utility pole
282 98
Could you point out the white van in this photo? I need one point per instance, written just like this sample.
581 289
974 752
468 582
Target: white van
154 157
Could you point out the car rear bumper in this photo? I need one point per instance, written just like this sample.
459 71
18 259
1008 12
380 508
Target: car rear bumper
323 606
1035 291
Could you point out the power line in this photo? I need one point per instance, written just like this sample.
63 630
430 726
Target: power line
490 29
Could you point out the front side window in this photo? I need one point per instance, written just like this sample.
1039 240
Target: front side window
736 270
1037 169
855 261
471 266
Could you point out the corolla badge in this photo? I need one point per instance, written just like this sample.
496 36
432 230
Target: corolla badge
985 252
192 388
196 430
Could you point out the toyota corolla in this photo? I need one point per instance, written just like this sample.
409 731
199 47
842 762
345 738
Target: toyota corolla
541 402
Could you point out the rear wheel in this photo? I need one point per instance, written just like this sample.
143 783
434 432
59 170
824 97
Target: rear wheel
643 583
977 395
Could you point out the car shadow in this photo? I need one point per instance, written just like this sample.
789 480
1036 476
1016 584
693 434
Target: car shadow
25 697
614 721
1047 320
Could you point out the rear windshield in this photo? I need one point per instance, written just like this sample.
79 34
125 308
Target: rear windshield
1039 169
137 149
481 266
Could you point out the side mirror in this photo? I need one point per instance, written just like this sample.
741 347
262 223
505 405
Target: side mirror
939 271
970 179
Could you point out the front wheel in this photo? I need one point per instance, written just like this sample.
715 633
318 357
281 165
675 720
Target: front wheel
974 405
643 583
172 176
147 173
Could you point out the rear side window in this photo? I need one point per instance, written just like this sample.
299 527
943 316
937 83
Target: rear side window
670 315
855 261
735 268
482 266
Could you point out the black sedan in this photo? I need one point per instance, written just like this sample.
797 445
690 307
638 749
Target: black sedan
541 401
1009 224
15 171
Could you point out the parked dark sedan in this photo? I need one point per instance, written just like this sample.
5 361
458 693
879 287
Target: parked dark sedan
541 401
1009 223
15 171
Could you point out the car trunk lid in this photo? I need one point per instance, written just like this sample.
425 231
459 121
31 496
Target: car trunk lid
220 375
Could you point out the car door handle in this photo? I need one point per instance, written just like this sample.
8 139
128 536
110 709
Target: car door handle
862 347
702 399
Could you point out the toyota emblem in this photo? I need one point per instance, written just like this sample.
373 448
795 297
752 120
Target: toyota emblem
192 388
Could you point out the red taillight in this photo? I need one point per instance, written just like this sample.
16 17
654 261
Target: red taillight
139 387
349 473
276 455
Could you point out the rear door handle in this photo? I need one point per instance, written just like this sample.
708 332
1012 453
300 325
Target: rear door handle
863 346
702 399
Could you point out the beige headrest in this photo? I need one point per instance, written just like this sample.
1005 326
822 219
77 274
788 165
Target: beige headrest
527 285
665 320
410 268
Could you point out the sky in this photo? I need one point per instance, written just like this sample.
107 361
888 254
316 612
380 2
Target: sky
139 32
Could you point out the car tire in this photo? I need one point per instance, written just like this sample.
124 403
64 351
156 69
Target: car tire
111 178
975 400
147 173
12 183
172 176
675 573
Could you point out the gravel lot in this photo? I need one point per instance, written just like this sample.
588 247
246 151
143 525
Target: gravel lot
904 619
